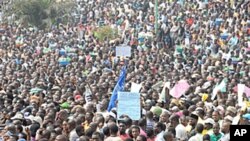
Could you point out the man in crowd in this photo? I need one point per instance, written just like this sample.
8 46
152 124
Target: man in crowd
191 62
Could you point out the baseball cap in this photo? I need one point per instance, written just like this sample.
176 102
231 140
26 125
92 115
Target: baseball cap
209 120
246 116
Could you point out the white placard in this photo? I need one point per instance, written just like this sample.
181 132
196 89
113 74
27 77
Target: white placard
135 88
123 50
241 88
129 104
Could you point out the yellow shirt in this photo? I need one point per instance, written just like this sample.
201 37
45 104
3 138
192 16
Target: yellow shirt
85 125
188 128
209 132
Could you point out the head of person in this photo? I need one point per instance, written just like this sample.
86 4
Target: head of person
199 128
135 131
142 123
129 139
113 129
141 138
89 116
149 115
150 133
206 137
96 136
159 127
122 127
225 127
172 130
168 136
216 116
209 122
148 105
128 122
184 120
193 119
174 120
164 117
71 124
61 138
100 121
79 130
46 134
82 138
216 128
231 111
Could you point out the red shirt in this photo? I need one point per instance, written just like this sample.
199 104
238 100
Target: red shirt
124 136
190 21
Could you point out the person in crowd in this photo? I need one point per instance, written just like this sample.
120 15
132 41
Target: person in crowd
190 61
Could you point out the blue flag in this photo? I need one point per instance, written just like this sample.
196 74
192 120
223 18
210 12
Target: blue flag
118 87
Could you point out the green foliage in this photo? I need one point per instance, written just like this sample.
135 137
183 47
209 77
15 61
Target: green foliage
105 32
39 13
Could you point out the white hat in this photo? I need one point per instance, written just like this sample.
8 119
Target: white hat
18 116
37 119
230 118
112 114
209 120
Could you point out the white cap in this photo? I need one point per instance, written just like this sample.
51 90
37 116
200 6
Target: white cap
17 116
209 120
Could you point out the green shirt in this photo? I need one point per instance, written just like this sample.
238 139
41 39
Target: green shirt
214 137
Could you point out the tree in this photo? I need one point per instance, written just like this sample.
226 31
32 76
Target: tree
105 33
39 13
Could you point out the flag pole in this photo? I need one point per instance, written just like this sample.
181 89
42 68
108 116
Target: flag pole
156 17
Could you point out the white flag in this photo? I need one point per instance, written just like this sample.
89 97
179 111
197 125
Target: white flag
88 94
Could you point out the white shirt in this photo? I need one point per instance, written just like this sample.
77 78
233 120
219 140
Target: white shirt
73 135
225 137
197 137
181 132
159 137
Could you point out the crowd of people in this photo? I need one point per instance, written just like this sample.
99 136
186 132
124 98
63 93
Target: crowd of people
44 74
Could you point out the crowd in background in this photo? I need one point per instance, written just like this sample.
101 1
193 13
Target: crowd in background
44 73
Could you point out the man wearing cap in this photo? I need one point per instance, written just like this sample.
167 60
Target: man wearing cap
231 111
208 128
192 124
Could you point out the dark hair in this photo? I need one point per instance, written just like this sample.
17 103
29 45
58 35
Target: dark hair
142 122
128 121
122 121
33 128
161 126
167 135
129 139
79 130
135 127
172 130
175 118
143 137
46 134
150 132
72 124
20 128
199 128
206 137
89 132
113 128
97 134
43 139
105 131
